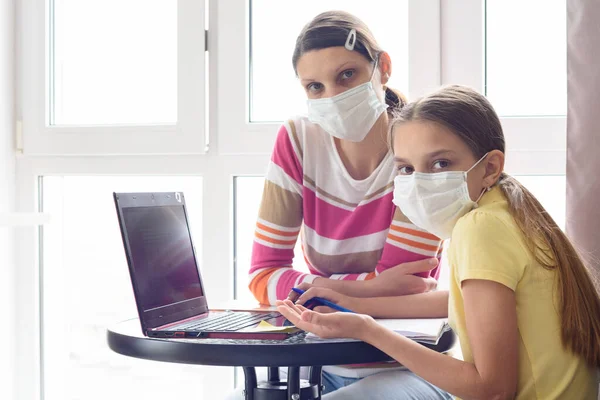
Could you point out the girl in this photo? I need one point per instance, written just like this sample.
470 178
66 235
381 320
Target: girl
521 301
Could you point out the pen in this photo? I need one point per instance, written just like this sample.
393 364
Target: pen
324 302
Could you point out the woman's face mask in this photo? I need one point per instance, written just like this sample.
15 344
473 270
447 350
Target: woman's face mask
349 115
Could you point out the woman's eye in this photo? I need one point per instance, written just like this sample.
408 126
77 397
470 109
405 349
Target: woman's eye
441 164
314 87
347 74
405 170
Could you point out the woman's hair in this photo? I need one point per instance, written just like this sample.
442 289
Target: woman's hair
331 29
472 118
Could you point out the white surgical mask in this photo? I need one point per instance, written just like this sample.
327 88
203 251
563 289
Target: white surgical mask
349 115
435 202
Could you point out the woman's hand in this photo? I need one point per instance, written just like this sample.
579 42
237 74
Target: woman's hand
311 292
293 296
399 280
327 294
334 325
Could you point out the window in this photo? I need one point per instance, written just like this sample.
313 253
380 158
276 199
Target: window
113 77
103 72
515 54
271 55
551 191
526 56
86 287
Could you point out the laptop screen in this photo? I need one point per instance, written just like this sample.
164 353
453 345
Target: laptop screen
162 255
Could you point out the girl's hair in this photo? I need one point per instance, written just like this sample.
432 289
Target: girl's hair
331 29
471 116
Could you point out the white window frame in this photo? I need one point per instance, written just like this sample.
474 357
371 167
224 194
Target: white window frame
535 145
233 77
187 136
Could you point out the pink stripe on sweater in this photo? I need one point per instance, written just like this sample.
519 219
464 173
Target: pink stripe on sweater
285 156
268 257
393 254
314 271
286 282
336 223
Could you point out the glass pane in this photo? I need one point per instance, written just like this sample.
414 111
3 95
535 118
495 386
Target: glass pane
276 93
551 191
86 288
526 56
113 62
248 194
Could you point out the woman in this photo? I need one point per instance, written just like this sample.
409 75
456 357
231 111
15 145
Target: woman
331 179
521 301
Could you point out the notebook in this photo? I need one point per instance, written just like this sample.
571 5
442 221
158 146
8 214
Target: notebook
167 285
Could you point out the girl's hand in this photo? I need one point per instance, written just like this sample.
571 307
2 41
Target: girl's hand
334 325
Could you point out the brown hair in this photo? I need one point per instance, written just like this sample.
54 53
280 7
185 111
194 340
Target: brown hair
331 29
472 118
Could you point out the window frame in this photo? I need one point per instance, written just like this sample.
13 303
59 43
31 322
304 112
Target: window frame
187 136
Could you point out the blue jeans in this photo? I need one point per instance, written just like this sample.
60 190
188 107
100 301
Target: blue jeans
386 385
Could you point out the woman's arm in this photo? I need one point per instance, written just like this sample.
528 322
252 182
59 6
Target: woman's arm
490 313
399 280
422 305
278 224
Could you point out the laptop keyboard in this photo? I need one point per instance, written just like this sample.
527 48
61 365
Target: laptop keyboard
233 321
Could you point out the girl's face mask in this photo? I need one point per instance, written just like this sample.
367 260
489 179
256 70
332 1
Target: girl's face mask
435 201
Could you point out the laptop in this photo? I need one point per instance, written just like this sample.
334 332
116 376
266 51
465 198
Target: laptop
167 284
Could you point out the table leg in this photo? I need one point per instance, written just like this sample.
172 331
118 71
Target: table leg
316 378
273 374
293 392
249 382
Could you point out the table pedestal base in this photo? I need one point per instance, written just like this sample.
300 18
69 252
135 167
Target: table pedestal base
275 389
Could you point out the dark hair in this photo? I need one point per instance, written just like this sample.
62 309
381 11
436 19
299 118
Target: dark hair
331 29
472 118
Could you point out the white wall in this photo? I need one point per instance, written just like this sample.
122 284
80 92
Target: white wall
7 189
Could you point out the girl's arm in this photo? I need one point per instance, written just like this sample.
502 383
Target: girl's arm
491 328
491 319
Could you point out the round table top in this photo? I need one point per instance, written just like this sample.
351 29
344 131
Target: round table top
126 338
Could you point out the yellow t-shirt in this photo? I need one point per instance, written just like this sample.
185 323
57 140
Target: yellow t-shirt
487 244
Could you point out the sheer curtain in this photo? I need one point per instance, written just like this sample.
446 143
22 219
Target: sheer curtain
583 129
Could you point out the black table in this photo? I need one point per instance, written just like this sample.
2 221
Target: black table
298 351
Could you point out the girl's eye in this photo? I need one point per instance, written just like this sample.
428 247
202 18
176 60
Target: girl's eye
347 74
314 87
441 164
405 170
